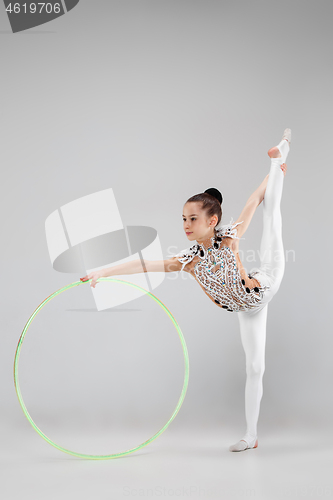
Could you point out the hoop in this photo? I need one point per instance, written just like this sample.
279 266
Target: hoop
113 455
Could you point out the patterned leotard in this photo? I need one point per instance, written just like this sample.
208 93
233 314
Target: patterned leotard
215 269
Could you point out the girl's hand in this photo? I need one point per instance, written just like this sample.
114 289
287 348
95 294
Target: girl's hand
93 276
284 168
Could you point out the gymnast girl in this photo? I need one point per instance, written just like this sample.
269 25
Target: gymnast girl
215 264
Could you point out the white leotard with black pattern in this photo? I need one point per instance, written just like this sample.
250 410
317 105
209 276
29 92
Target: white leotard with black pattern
216 270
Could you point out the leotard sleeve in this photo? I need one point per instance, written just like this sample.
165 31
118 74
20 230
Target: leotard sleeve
187 255
229 230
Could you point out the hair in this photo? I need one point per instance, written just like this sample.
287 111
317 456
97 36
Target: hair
211 201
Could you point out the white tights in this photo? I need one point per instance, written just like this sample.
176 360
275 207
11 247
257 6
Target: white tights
253 322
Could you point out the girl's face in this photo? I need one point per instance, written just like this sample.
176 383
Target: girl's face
196 224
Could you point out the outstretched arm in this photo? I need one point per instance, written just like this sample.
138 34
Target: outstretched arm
134 267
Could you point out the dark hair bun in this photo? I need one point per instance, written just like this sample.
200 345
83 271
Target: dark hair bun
216 193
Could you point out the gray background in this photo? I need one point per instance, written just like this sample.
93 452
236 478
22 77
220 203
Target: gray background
161 100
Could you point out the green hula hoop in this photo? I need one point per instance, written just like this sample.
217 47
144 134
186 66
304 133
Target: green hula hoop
113 455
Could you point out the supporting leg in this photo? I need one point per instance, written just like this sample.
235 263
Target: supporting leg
253 336
253 324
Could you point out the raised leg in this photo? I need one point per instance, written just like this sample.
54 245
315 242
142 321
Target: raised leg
272 260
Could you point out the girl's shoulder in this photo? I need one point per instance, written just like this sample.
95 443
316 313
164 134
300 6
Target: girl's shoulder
187 255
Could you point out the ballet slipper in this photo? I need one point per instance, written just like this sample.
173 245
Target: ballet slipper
243 445
283 147
287 135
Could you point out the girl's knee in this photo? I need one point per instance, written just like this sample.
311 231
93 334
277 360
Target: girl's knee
272 217
255 369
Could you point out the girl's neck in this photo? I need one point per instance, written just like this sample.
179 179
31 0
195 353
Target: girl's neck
207 242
